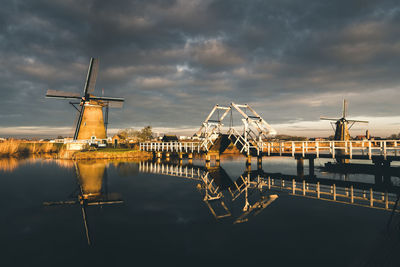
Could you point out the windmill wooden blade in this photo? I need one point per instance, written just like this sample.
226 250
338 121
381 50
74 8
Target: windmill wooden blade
328 119
357 121
61 94
106 98
78 123
91 76
85 223
112 102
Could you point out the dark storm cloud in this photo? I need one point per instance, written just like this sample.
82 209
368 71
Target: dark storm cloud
173 60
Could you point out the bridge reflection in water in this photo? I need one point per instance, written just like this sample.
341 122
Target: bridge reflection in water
92 190
218 188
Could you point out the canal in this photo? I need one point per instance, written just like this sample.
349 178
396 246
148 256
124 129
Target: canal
118 213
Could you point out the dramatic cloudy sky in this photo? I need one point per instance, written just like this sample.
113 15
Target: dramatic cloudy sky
173 60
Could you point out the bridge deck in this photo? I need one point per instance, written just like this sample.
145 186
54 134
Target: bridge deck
363 150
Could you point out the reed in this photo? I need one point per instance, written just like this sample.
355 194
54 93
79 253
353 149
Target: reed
19 147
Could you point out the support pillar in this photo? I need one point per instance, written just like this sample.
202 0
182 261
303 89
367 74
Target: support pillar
248 160
190 158
259 163
248 168
378 170
386 172
311 167
300 166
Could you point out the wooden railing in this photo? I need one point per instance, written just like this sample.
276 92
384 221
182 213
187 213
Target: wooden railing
187 147
333 148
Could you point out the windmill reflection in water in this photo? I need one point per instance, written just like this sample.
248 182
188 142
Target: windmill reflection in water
92 190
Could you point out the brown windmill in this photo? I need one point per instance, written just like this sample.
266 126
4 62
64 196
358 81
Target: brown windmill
343 125
90 124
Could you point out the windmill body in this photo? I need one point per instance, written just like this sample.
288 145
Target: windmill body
342 130
90 124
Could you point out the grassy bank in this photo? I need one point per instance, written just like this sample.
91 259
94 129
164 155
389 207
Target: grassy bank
18 148
111 153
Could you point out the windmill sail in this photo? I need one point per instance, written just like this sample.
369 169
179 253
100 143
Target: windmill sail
61 94
79 122
91 76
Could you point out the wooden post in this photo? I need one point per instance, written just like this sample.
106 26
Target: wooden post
384 150
371 197
334 191
333 149
351 194
386 200
369 150
293 187
293 149
269 182
318 190
351 150
317 148
304 187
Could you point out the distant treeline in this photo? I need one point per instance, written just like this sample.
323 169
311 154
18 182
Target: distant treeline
284 137
139 135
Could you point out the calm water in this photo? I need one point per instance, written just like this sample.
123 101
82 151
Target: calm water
163 220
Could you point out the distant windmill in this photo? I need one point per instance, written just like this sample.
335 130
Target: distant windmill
342 124
90 122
